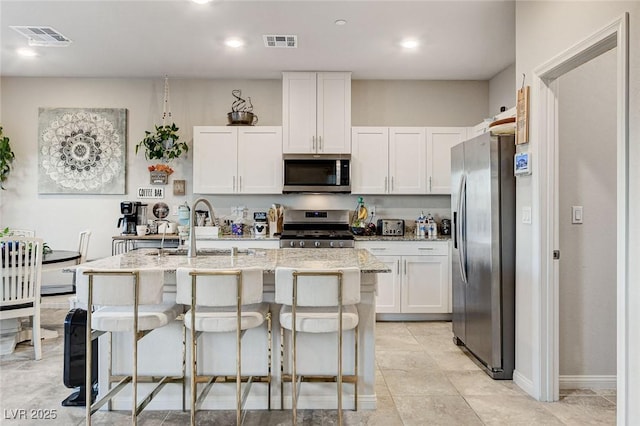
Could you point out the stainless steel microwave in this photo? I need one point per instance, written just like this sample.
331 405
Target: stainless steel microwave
317 173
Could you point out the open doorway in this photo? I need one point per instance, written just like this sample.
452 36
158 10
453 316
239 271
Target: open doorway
586 226
546 92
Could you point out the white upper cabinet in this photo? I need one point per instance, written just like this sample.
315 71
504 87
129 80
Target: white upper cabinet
407 160
439 143
242 159
316 110
370 160
403 160
388 160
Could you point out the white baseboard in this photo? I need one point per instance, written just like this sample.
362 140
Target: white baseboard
524 383
588 382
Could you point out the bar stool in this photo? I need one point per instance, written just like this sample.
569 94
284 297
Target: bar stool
223 301
125 301
308 296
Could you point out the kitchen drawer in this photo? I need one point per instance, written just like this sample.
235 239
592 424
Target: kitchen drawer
406 248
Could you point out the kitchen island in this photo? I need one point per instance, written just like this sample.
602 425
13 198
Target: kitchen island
160 353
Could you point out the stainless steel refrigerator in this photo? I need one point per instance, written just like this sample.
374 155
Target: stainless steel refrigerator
483 257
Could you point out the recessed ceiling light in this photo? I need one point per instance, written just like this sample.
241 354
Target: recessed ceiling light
234 42
340 22
26 52
409 43
201 1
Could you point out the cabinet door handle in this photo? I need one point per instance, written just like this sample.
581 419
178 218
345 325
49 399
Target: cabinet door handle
239 183
378 248
234 184
429 183
320 143
392 184
405 266
398 266
426 248
313 143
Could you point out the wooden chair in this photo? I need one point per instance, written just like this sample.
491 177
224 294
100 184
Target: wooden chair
223 301
21 277
317 301
22 233
125 301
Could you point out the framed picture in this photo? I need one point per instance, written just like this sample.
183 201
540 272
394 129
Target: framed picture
82 150
179 187
522 163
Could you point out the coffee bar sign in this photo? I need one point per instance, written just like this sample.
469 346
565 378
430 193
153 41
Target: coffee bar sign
151 192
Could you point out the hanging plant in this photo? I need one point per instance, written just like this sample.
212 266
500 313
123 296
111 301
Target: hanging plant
163 143
6 158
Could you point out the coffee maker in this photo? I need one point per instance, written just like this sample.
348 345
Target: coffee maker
127 223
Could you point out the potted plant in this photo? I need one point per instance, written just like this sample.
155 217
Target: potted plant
6 158
163 144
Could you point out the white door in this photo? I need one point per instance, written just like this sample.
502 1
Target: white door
299 112
389 285
369 160
407 160
333 113
215 158
425 284
260 160
439 143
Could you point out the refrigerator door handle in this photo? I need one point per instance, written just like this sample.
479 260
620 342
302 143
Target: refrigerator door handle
461 234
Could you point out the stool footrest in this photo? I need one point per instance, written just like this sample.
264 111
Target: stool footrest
148 379
112 392
321 378
232 379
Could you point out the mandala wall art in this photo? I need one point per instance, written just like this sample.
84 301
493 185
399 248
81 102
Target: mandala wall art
82 150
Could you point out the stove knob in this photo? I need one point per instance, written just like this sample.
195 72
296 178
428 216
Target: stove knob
301 243
331 244
317 244
341 244
292 244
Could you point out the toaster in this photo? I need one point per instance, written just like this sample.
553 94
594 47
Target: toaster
390 227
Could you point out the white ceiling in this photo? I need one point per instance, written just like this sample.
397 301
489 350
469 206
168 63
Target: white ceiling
459 40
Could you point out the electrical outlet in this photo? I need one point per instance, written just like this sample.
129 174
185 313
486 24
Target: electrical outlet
175 210
372 210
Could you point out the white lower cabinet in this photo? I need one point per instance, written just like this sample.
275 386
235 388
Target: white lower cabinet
419 282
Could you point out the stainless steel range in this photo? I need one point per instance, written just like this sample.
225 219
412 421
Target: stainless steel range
316 229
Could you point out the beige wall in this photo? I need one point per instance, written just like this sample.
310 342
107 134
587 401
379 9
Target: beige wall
544 30
501 91
59 218
418 103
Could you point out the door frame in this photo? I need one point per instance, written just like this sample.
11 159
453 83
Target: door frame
545 191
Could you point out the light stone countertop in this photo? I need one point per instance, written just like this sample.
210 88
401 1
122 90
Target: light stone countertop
267 259
406 237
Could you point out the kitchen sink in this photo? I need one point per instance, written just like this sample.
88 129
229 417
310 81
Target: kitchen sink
203 252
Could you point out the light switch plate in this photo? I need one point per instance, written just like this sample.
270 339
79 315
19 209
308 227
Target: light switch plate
576 214
526 214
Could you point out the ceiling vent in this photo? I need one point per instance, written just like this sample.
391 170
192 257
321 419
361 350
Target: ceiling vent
287 41
42 36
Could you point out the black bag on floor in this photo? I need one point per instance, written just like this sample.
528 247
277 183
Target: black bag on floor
75 325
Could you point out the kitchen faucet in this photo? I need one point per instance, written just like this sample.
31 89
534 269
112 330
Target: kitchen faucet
164 232
192 251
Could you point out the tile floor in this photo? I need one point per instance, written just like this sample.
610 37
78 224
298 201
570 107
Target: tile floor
422 379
